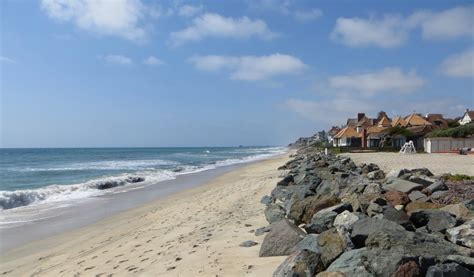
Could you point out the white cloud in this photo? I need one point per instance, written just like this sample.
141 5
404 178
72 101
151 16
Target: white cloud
121 18
250 68
459 65
4 59
389 79
189 10
449 24
307 15
391 31
118 59
386 32
215 25
153 61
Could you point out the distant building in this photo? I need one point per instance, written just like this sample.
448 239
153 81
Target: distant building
468 117
331 133
437 120
348 136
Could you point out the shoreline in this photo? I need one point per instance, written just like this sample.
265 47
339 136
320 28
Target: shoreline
207 218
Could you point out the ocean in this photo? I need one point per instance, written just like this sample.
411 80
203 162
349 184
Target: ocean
35 177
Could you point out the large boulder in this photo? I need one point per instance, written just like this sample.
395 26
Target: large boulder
416 205
281 239
376 175
323 219
395 197
302 263
434 220
310 242
417 196
408 269
347 219
398 216
302 211
401 185
459 210
274 213
448 270
331 245
287 181
463 234
364 227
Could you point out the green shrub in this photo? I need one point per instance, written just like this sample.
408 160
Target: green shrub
456 132
457 177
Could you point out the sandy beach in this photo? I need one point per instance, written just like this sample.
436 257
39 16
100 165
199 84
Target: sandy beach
436 163
196 232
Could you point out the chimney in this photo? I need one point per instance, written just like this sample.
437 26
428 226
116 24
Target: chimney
360 116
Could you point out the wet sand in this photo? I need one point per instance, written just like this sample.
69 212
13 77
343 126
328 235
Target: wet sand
195 232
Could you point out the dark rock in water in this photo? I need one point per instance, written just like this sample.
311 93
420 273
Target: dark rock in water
302 263
331 246
399 217
310 242
302 211
376 175
463 234
395 198
362 228
287 181
135 179
448 270
248 243
262 230
281 239
274 213
434 220
266 200
408 269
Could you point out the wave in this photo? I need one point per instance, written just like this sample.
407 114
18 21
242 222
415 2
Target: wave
95 187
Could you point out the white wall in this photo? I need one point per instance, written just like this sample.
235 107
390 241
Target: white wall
439 145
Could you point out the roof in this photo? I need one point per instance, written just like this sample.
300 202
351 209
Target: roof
334 130
375 129
384 122
352 122
470 113
416 120
421 130
437 119
348 132
398 121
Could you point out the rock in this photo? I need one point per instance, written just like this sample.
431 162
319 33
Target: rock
436 186
417 196
354 201
402 185
437 194
399 207
469 204
408 269
331 274
262 230
266 200
248 243
366 226
310 242
331 246
448 270
415 205
302 211
376 175
422 180
465 261
281 239
395 173
347 219
366 168
285 193
373 188
321 221
398 216
274 213
463 234
422 171
434 220
374 209
352 263
287 181
458 210
300 263
395 197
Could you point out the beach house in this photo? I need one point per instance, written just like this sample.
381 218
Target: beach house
468 117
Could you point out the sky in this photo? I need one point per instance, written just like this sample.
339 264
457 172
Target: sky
138 73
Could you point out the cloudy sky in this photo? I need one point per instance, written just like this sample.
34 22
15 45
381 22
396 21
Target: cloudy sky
177 73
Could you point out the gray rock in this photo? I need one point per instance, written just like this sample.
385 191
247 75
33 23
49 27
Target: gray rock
331 245
347 219
448 270
248 243
469 204
422 171
376 175
434 220
374 209
287 181
310 242
465 261
274 213
302 211
398 216
436 186
281 239
266 200
262 230
366 226
422 180
284 193
437 194
352 263
417 196
373 188
401 185
302 263
463 234
321 221
396 173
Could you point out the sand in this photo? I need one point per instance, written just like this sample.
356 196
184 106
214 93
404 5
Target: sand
196 232
436 163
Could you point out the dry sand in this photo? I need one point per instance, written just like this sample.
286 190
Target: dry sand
436 163
196 232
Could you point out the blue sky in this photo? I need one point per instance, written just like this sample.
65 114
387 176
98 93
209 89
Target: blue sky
223 73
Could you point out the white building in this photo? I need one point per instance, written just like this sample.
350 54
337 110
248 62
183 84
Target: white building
468 117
